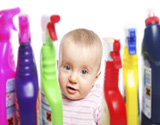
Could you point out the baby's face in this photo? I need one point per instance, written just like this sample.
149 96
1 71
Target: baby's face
78 70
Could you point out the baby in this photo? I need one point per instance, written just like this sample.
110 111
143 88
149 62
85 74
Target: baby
79 64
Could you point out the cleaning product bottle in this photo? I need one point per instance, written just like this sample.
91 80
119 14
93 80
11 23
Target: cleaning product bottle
151 60
52 111
7 68
113 97
130 75
26 76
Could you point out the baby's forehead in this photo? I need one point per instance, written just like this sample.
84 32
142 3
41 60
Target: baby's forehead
82 44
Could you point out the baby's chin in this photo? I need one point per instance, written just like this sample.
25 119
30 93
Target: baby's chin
72 97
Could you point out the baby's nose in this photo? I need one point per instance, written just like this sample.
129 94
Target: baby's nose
73 78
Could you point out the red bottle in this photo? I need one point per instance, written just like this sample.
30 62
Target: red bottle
113 97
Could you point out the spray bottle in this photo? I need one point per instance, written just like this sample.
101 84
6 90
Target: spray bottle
7 68
26 76
52 111
113 97
151 80
130 75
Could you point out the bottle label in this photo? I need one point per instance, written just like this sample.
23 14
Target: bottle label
10 101
46 111
38 109
105 113
17 115
17 110
147 89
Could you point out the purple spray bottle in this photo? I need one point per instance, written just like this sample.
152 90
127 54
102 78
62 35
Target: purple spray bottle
7 68
26 77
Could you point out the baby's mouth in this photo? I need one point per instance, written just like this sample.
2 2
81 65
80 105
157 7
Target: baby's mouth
71 90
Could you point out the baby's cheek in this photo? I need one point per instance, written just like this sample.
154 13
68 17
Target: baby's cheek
61 80
85 90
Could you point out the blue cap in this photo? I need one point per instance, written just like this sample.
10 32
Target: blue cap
131 40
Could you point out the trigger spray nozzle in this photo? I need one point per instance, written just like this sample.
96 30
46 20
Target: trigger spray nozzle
115 54
24 31
51 26
131 40
6 22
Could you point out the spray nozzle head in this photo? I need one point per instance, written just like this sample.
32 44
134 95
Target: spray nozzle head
151 17
115 54
6 22
51 26
24 32
131 40
112 51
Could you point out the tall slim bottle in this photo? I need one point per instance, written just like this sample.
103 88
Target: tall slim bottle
52 111
114 100
7 68
130 75
26 76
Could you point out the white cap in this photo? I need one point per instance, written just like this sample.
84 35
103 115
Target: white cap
108 47
44 21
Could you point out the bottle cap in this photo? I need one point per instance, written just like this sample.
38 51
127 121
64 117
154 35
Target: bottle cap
151 18
131 40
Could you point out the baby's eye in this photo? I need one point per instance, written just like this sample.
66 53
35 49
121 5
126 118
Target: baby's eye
84 72
67 67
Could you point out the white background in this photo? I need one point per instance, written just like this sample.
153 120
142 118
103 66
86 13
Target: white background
105 17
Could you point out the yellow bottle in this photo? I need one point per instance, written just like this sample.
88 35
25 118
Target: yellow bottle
130 75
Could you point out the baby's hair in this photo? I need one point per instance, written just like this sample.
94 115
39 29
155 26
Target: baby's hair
83 38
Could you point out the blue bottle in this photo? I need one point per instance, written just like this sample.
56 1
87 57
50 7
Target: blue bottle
151 80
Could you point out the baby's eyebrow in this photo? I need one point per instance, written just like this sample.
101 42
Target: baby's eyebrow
66 62
87 67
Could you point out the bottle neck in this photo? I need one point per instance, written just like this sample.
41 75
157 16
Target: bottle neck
26 64
111 76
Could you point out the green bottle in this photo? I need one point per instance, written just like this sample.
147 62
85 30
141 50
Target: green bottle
52 110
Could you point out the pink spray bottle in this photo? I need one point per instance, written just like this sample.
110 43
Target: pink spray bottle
7 68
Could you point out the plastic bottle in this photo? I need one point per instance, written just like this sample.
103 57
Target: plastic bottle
113 97
7 68
52 111
26 76
130 75
151 60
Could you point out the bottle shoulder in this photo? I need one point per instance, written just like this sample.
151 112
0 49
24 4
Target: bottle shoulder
151 42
